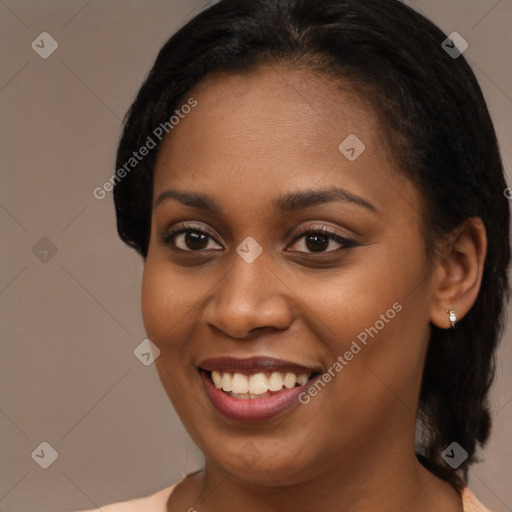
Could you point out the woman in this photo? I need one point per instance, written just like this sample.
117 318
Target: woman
317 193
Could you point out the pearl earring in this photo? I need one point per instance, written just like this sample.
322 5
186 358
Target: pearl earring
453 317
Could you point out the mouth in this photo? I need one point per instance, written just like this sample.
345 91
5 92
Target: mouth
254 389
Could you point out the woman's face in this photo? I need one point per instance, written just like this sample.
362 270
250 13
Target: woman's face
250 286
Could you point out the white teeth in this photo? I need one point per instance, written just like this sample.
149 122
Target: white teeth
275 383
257 385
240 383
302 378
249 396
217 379
226 381
289 380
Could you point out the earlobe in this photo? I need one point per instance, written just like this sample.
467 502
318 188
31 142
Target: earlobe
458 274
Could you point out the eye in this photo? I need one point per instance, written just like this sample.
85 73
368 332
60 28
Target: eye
317 240
196 239
189 239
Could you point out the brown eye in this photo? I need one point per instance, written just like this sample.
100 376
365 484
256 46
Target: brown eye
189 239
319 239
316 243
194 240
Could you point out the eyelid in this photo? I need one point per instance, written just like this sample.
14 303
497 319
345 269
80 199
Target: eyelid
343 240
168 236
324 228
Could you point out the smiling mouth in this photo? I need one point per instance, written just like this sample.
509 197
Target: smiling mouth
257 385
256 388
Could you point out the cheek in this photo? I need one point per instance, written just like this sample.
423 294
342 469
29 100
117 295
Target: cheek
164 303
374 315
152 301
354 298
165 311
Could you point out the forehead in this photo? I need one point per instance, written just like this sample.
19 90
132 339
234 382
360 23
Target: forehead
297 107
277 128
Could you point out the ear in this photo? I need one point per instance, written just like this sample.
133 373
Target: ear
458 272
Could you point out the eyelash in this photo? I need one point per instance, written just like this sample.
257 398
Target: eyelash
346 243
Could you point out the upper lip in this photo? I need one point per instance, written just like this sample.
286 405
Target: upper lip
254 364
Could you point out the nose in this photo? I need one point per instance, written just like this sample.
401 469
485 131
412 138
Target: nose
251 297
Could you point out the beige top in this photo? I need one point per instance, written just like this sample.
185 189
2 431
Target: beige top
157 503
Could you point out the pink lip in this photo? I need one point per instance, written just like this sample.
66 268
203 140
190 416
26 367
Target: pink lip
252 410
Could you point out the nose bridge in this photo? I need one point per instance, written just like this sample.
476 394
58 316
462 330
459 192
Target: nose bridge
247 279
248 297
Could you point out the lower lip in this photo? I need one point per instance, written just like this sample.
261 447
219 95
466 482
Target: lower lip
252 410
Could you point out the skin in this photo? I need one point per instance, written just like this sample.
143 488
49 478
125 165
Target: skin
250 139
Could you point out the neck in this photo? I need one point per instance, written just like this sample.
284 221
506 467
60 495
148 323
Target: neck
370 483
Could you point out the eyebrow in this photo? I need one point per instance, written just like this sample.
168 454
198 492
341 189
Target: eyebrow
286 203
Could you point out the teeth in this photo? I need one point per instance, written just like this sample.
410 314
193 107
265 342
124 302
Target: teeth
289 380
248 396
275 383
239 384
226 381
217 379
257 385
302 378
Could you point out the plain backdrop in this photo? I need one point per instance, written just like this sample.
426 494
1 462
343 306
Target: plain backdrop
69 289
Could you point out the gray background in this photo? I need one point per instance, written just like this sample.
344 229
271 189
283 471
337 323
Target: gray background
70 324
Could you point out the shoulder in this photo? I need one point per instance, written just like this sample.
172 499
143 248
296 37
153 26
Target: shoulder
154 503
157 503
470 502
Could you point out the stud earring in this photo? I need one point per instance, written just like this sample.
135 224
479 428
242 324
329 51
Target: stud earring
453 317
